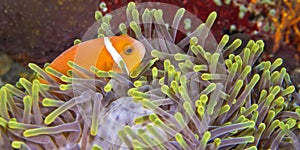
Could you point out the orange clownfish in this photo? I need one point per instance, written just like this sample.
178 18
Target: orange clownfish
104 53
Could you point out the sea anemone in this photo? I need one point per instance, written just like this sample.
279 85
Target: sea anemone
191 94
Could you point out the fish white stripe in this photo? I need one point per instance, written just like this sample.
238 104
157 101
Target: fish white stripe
114 53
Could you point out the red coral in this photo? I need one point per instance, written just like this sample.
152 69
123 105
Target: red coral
227 14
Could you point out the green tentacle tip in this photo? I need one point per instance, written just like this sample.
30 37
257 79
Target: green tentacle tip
158 122
211 18
279 100
283 126
137 94
201 110
27 100
261 43
205 138
140 119
235 44
155 53
135 15
204 98
275 90
153 117
144 66
49 119
71 64
179 119
276 63
250 124
121 134
98 15
17 144
158 14
255 78
135 27
94 130
224 109
128 130
291 122
180 12
208 76
65 87
105 26
215 57
52 71
246 71
97 147
188 108
174 86
249 139
139 83
154 72
15 125
183 80
255 48
24 82
288 90
123 28
138 145
165 89
146 15
167 64
251 148
131 5
217 142
198 103
47 102
103 74
224 40
181 57
77 41
100 35
181 141
34 67
197 50
66 79
261 127
107 18
31 132
108 87
198 68
53 115
193 41
131 91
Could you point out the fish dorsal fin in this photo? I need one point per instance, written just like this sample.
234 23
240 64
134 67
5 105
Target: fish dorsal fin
114 53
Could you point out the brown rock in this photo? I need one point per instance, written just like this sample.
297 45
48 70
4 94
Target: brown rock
37 31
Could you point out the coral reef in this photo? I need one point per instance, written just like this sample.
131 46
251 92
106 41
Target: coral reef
233 14
194 94
281 19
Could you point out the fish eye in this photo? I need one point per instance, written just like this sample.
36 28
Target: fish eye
128 51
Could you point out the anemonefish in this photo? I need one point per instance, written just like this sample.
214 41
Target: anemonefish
104 53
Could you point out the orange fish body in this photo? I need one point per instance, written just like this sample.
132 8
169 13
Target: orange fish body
103 53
